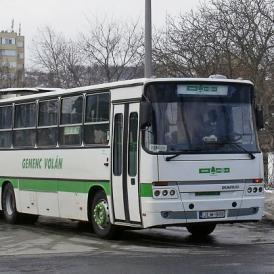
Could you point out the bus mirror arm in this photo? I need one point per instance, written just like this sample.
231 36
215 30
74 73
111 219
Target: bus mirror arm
259 117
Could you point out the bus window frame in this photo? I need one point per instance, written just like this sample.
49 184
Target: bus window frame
10 129
14 129
47 127
70 125
96 123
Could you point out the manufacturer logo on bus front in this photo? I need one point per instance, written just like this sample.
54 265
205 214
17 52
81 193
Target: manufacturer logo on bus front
214 170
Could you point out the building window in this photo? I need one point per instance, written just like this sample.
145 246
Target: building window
20 44
71 121
8 52
97 119
8 41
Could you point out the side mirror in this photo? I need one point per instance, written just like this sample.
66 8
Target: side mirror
146 113
259 117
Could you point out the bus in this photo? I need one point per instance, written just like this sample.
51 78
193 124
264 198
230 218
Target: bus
139 154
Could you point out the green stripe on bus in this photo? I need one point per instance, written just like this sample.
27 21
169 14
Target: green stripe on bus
75 186
146 190
51 185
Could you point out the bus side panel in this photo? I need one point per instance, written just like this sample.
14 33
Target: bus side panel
148 165
28 201
73 205
55 182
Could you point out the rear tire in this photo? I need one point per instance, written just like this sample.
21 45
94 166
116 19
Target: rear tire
201 230
9 205
99 216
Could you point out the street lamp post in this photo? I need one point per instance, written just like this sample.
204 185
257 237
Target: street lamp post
148 40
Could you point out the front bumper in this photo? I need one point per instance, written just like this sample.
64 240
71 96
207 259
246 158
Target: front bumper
176 212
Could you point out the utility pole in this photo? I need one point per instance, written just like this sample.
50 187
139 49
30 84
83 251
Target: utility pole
148 40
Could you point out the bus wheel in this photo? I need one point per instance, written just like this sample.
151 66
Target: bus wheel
9 205
99 217
201 230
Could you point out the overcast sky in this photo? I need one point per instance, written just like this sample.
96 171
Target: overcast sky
70 16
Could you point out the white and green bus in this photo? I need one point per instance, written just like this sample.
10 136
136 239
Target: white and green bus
140 153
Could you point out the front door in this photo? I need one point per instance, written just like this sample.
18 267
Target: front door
125 183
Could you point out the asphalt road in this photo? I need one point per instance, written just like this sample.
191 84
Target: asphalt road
62 246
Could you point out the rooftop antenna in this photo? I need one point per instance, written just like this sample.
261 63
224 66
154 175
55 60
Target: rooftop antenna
20 29
12 25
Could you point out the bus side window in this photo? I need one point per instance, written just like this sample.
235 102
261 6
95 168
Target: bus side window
96 130
70 129
24 125
47 123
5 126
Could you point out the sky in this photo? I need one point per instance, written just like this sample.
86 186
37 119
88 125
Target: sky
71 16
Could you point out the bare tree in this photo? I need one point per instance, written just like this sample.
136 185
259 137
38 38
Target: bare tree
115 48
59 57
231 37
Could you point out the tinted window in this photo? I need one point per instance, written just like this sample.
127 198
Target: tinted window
24 138
97 118
97 134
70 135
72 110
97 108
6 117
47 136
132 144
5 139
48 113
118 145
25 115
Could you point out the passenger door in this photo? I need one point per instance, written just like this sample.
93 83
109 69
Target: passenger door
125 173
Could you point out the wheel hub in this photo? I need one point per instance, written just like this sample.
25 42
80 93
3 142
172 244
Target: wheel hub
100 214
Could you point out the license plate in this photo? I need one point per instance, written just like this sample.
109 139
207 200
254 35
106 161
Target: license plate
212 214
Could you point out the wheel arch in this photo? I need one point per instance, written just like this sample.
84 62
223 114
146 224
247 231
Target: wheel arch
92 191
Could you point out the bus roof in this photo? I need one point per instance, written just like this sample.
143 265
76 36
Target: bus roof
34 90
118 84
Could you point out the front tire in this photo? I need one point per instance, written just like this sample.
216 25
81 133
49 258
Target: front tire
9 205
201 230
99 217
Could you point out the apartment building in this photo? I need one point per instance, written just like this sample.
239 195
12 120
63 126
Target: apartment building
12 59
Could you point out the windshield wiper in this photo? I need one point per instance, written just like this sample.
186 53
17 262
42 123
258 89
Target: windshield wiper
250 154
181 152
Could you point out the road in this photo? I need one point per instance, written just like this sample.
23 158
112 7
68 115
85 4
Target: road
64 246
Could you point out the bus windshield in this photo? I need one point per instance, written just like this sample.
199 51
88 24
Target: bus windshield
200 118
